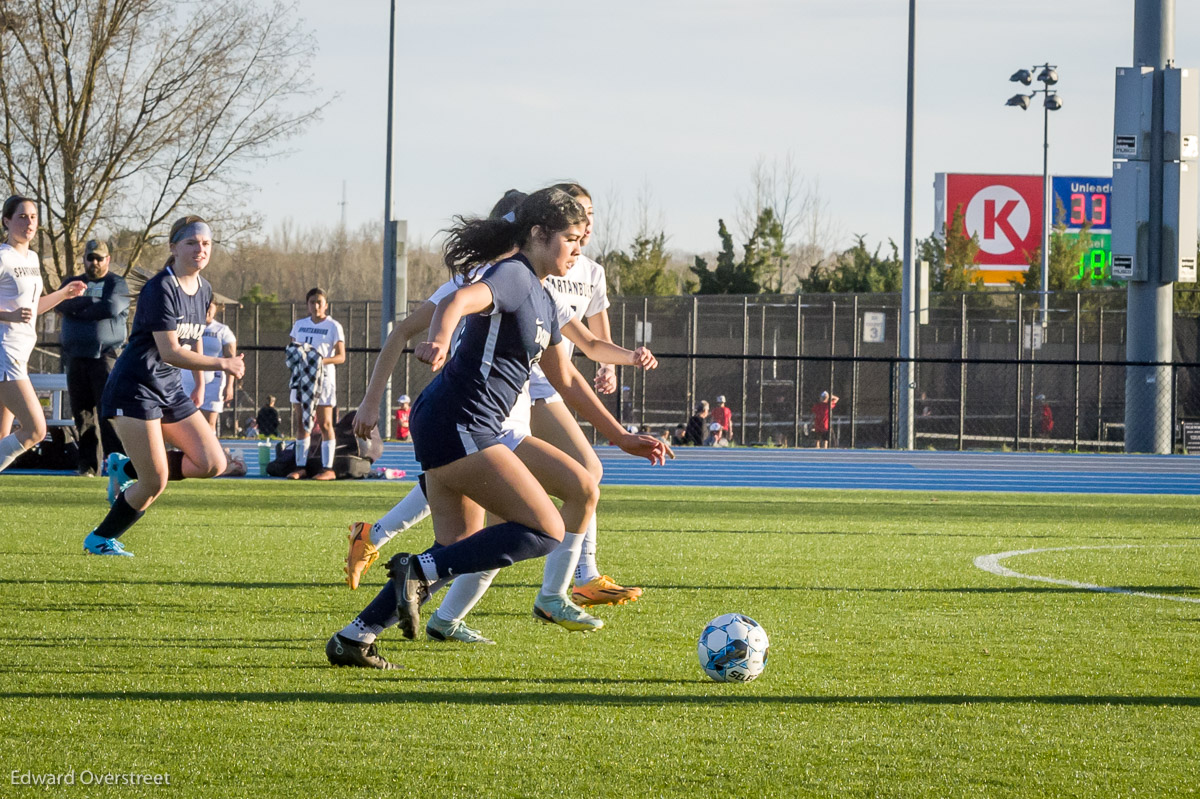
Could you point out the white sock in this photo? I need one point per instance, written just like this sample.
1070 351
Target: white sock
556 576
10 450
463 594
428 567
302 450
586 570
364 633
410 510
327 453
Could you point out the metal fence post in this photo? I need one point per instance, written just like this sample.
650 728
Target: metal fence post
745 352
799 366
1100 380
962 372
644 373
854 339
1078 355
257 352
1017 388
762 350
832 355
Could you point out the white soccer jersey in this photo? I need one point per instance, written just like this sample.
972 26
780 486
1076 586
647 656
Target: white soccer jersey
580 293
324 336
20 287
212 344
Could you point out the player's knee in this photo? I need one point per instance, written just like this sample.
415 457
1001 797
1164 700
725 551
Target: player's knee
211 464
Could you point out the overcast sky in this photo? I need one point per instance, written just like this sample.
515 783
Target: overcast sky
679 100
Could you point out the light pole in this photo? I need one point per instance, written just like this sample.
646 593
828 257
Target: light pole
1048 76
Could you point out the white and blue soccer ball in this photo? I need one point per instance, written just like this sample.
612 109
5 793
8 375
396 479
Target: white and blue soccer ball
733 648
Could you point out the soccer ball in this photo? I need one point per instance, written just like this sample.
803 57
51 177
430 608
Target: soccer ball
733 648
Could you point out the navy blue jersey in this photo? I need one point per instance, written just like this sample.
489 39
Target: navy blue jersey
496 349
162 305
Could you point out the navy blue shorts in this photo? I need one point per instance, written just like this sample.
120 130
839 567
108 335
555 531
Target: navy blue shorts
439 437
139 401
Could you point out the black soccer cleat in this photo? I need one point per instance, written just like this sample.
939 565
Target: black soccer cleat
341 651
411 587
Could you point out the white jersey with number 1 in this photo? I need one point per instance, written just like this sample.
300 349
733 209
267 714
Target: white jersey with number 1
20 287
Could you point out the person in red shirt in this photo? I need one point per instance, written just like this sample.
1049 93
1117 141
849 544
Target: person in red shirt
402 418
821 412
723 416
1046 422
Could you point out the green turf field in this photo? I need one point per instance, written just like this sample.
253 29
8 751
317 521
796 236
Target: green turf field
897 668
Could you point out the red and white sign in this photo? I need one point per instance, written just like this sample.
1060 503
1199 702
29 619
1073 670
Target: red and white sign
1004 211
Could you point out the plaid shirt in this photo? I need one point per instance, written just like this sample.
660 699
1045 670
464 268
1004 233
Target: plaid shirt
304 361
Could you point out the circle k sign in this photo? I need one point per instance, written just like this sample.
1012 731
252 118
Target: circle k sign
1004 211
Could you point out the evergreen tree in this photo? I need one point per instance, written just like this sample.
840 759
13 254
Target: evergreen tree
857 270
643 270
759 256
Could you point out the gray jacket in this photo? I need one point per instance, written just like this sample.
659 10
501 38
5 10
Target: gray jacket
93 325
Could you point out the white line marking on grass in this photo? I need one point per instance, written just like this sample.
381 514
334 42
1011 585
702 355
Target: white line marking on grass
991 563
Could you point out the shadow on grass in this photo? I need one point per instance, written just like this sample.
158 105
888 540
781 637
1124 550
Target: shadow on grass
366 591
519 698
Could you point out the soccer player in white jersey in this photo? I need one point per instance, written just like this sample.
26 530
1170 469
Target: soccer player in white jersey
582 295
214 388
21 300
323 332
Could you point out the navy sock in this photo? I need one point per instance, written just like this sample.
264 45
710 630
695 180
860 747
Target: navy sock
382 608
121 516
175 465
492 548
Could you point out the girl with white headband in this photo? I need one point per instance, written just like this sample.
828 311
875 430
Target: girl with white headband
144 395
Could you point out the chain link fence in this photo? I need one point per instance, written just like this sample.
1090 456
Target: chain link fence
989 375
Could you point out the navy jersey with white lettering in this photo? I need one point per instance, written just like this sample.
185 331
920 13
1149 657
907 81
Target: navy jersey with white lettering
497 348
162 305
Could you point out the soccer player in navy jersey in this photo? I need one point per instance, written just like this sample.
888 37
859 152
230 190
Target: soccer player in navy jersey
144 396
511 324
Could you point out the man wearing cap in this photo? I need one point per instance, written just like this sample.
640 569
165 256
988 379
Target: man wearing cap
93 333
716 436
402 414
723 416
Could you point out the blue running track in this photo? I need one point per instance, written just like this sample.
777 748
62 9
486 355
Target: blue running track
877 469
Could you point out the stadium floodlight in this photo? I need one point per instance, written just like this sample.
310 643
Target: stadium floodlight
1048 76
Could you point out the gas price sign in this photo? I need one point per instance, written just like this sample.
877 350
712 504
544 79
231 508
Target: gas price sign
1087 201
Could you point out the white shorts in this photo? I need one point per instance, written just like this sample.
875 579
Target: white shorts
11 369
328 395
512 437
14 360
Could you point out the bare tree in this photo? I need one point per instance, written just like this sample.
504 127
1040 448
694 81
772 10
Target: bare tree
119 112
809 237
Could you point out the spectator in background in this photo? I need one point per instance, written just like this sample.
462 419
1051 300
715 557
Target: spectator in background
1045 417
723 416
402 414
93 333
324 333
268 418
251 428
822 412
679 437
696 425
716 436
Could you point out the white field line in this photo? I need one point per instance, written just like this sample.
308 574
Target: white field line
991 563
